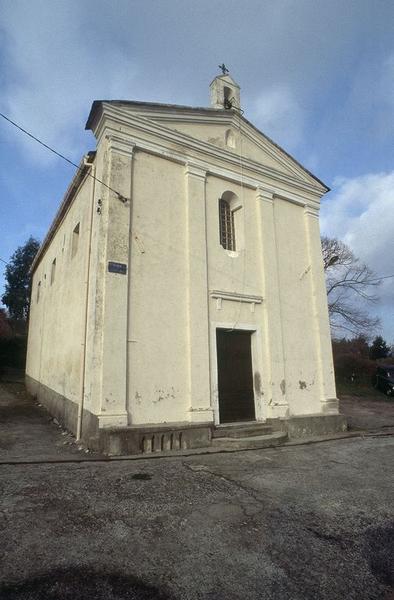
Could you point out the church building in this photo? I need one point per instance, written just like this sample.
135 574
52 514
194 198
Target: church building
178 299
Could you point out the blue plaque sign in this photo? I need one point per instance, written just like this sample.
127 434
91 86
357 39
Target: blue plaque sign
115 267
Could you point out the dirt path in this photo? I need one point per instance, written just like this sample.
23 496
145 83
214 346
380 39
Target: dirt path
367 413
27 429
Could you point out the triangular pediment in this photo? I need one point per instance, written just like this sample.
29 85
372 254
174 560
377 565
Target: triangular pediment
233 140
222 129
242 140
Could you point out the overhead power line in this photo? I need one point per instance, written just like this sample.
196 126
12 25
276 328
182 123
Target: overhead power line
120 196
36 139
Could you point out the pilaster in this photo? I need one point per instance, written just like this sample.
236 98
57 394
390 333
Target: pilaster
116 209
321 325
197 296
276 401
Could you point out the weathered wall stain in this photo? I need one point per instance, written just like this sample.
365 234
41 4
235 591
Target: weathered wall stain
163 395
217 141
257 384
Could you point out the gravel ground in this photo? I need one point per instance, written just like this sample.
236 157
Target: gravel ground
299 523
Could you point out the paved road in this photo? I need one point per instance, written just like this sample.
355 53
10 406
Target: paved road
299 523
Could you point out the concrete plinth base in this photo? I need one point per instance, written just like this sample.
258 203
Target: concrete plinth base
147 439
60 407
310 425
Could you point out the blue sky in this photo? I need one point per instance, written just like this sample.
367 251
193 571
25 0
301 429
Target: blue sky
316 76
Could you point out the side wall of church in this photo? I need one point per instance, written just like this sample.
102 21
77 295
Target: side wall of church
57 314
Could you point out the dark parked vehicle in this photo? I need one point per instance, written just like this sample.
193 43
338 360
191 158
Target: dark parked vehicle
384 379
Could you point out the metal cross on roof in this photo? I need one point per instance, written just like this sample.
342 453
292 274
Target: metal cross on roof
224 69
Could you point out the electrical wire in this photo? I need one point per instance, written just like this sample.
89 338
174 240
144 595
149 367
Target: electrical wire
36 139
119 195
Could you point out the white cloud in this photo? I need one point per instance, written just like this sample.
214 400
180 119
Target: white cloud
360 212
277 113
56 74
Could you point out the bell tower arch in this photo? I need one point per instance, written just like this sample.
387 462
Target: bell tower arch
225 92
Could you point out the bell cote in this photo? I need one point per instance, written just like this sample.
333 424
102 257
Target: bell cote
225 93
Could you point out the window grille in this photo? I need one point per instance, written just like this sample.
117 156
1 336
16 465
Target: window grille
226 225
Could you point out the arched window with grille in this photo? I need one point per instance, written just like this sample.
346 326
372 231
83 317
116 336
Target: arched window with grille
226 225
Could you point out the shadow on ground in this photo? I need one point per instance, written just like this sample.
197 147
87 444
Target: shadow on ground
78 583
379 549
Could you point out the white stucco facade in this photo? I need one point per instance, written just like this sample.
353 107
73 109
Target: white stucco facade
139 347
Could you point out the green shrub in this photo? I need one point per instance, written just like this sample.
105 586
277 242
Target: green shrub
351 367
13 352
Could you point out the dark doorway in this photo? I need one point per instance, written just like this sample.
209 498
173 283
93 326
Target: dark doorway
235 376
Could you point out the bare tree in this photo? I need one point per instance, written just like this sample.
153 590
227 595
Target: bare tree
350 286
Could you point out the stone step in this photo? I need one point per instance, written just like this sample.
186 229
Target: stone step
258 441
241 430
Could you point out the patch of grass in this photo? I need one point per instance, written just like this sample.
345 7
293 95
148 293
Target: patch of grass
360 390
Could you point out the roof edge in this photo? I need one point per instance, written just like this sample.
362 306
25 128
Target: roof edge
98 103
82 170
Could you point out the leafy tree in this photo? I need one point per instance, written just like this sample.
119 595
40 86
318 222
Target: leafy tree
350 286
17 288
5 328
379 348
357 346
352 362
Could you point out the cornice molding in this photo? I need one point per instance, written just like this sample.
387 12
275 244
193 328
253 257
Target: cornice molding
201 169
235 296
225 119
291 198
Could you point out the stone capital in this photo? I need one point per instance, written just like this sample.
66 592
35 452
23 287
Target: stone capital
311 211
265 195
193 170
120 145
